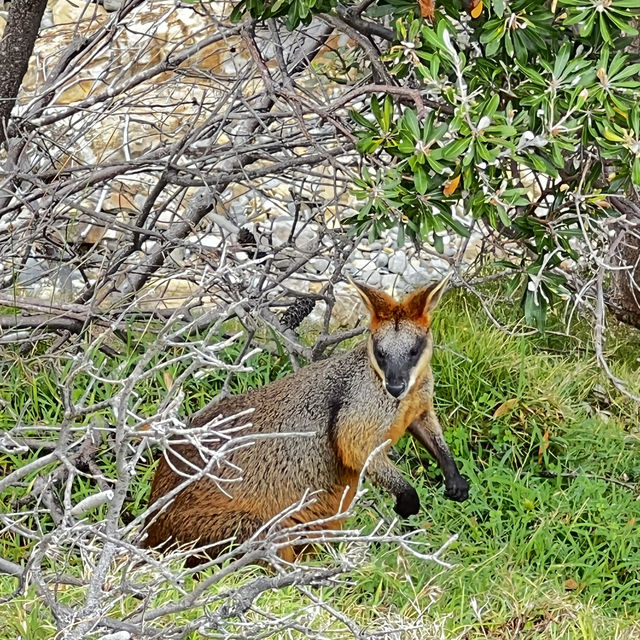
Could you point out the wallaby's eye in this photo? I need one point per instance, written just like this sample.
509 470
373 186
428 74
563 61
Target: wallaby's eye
377 352
416 349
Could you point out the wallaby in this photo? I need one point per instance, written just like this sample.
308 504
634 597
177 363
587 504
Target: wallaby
345 406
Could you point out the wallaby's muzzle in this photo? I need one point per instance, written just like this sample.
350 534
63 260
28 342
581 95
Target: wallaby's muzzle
396 389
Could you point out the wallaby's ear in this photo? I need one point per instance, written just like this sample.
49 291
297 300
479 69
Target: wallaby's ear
421 303
379 304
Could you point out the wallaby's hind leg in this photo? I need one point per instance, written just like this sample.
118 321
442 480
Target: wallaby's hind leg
234 526
310 532
428 432
237 527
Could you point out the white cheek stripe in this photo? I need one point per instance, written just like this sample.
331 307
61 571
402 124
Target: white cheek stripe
425 358
374 362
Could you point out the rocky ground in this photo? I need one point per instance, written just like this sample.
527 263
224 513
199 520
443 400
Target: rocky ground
290 220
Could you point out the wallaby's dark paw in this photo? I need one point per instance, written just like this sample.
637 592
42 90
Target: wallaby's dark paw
407 503
457 489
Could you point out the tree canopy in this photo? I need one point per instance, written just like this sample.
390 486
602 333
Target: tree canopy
526 113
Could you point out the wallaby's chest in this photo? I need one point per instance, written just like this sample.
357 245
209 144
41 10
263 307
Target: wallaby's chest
408 411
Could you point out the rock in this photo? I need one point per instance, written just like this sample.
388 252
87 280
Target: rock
297 283
365 247
316 317
416 278
382 260
68 12
347 309
319 265
372 278
398 262
305 238
118 635
210 241
473 249
389 282
331 218
362 264
112 5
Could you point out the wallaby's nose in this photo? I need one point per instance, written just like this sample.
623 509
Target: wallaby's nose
396 389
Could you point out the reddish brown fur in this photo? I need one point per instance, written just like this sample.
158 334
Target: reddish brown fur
383 308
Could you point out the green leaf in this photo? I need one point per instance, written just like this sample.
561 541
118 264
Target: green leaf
388 113
375 108
542 164
587 26
435 66
574 19
604 30
455 149
421 180
502 214
623 25
437 133
276 7
557 156
561 59
458 227
492 48
492 106
635 120
488 155
406 146
431 37
469 156
410 120
520 46
635 173
303 9
508 44
238 11
434 164
364 211
488 35
626 72
361 120
438 243
532 74
414 29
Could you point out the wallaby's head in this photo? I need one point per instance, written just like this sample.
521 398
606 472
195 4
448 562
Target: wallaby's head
400 344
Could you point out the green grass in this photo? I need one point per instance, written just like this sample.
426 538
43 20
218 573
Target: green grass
549 540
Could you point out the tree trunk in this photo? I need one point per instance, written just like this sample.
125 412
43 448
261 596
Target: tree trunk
625 290
17 42
625 300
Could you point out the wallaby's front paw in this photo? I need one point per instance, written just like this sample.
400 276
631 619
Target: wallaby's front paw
457 489
407 503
